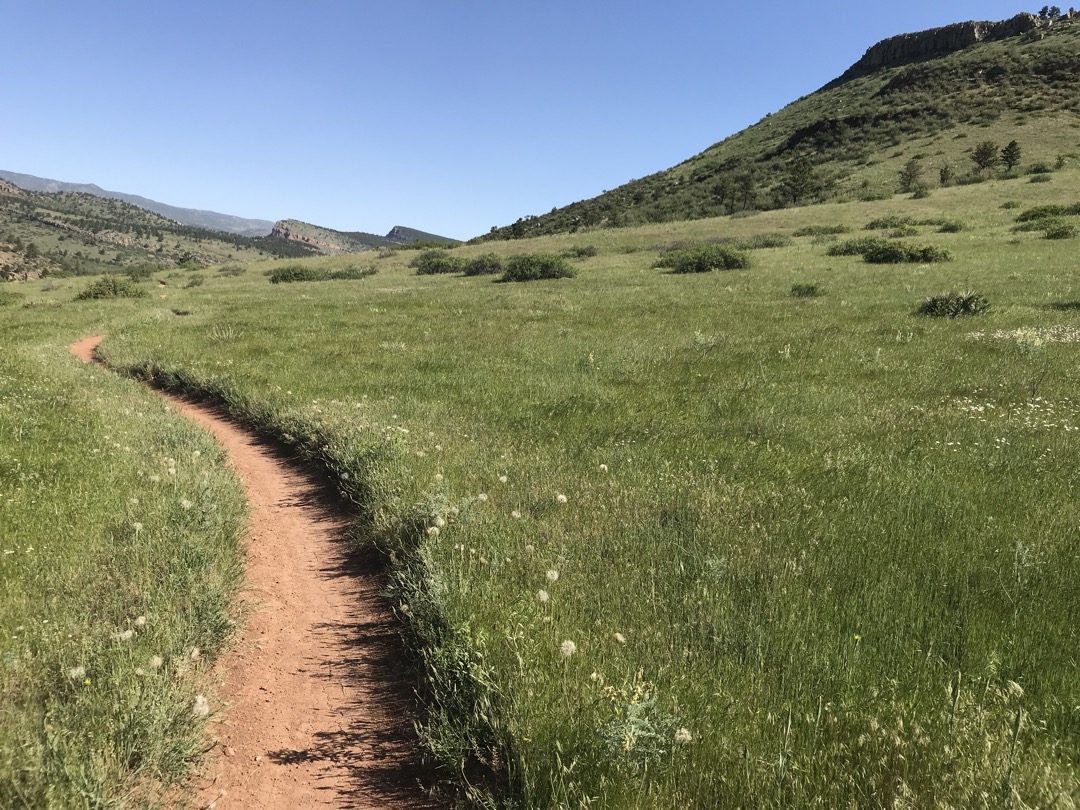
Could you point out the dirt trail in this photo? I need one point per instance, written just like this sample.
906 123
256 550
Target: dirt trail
318 707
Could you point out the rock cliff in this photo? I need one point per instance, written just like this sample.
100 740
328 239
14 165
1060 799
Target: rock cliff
940 41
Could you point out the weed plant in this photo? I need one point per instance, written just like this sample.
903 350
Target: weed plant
954 305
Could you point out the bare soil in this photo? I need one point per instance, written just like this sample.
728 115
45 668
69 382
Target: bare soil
314 707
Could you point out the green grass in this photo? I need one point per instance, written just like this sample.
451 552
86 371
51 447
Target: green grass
810 551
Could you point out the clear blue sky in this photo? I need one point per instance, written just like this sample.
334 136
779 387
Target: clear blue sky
446 116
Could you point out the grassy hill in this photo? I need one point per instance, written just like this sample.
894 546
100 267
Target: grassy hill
73 233
851 139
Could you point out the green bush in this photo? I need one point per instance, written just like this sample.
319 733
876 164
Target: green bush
111 286
435 262
805 291
1061 230
1046 211
8 298
232 270
703 258
951 226
822 230
890 223
296 272
580 252
1039 178
352 273
854 247
954 305
140 272
536 266
758 241
487 264
905 252
194 281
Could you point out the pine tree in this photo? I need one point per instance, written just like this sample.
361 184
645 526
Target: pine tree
1010 155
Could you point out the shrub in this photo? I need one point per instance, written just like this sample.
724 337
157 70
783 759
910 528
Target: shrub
436 262
536 266
822 230
922 192
194 281
890 223
954 305
111 286
758 241
295 272
1061 230
141 272
487 264
905 252
805 291
232 270
951 226
580 252
1039 178
704 257
854 247
352 273
1010 204
8 298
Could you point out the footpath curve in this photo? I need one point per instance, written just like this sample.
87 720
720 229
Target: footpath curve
316 702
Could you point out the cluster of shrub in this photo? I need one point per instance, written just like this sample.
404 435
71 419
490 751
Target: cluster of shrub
703 257
954 305
907 226
1050 219
111 286
878 250
522 267
296 272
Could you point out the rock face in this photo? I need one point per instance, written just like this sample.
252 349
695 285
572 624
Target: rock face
288 229
939 41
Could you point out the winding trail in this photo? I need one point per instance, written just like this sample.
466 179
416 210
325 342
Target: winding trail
318 706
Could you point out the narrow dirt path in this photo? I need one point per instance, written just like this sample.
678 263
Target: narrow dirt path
318 706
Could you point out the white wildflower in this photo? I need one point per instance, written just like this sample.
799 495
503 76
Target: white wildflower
140 621
552 575
124 635
503 479
560 498
185 503
603 468
137 527
683 736
77 673
156 662
567 648
542 595
516 515
482 497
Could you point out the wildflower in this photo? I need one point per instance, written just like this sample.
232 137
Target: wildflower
137 527
567 648
124 635
482 497
77 673
156 662
516 515
552 575
683 736
542 595
560 498
603 468
185 503
503 479
433 531
619 637
200 708
140 621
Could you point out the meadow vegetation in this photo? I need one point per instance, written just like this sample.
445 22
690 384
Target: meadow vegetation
661 540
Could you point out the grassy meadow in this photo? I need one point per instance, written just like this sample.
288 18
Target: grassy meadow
663 541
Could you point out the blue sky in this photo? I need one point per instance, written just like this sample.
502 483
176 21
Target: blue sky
450 117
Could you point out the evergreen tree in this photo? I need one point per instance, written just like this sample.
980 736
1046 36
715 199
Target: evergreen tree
986 156
911 176
1010 156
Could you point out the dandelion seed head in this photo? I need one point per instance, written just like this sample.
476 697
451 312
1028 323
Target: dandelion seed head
140 621
529 547
482 497
560 498
603 468
516 515
683 736
137 527
433 531
438 478
196 654
619 637
77 673
156 662
154 479
440 522
124 635
542 595
503 479
552 575
185 503
195 455
567 648
200 708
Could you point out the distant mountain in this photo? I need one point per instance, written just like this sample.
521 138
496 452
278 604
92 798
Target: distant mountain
331 242
924 99
211 220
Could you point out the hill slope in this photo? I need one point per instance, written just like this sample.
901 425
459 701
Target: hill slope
930 96
210 220
330 242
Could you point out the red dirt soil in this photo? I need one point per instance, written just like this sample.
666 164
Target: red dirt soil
314 708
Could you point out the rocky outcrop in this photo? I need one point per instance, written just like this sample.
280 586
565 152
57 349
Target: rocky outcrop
294 231
938 42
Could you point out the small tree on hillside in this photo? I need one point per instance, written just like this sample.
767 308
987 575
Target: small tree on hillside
986 156
911 176
1010 156
945 174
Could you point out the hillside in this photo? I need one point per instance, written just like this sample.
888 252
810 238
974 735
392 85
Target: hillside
210 220
74 233
330 242
931 96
